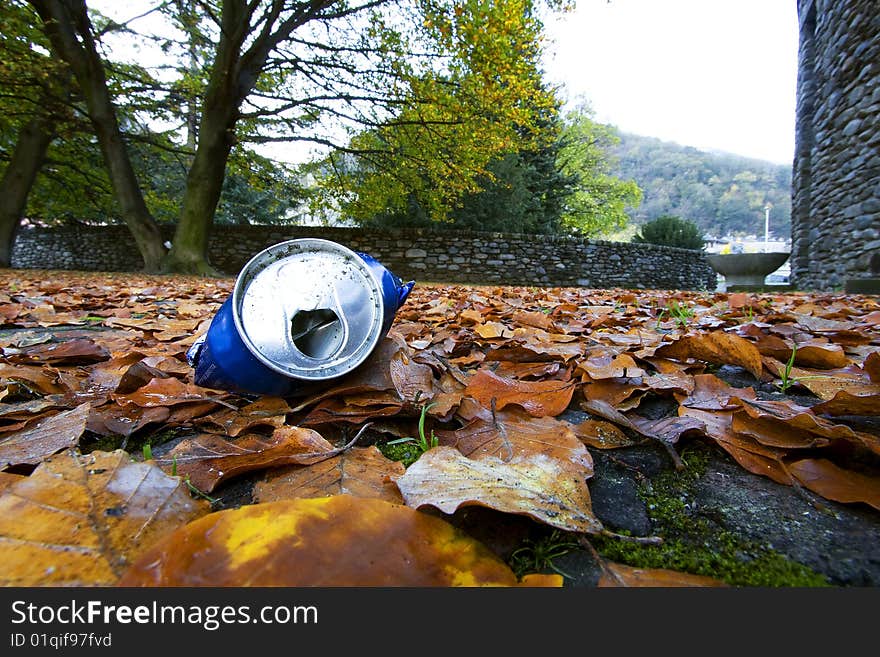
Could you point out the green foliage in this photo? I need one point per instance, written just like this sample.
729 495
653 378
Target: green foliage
537 555
682 313
668 230
478 143
422 443
722 193
599 199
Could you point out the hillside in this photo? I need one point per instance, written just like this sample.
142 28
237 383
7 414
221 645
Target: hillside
723 194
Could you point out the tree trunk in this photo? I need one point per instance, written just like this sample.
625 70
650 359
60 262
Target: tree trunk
70 32
24 165
189 249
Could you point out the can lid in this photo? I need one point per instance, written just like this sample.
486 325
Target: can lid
308 308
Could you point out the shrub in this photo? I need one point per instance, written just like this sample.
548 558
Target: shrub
669 230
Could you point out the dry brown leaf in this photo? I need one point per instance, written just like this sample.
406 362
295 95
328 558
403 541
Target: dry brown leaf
337 541
835 483
618 574
78 520
717 347
538 398
603 435
550 490
491 330
359 471
864 400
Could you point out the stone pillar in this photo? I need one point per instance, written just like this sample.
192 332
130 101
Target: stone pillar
836 174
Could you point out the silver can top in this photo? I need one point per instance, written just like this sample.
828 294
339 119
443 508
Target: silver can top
308 308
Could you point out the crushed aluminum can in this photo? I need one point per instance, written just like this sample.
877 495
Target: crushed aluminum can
302 313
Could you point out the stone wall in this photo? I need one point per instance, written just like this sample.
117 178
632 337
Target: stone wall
421 255
836 175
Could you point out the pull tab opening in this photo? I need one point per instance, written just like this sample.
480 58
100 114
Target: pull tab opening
317 333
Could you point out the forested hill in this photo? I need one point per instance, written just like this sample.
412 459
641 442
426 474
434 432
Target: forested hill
723 194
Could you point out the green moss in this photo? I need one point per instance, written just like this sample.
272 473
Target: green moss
407 452
693 545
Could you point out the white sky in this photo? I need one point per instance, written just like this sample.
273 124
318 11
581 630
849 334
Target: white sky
712 74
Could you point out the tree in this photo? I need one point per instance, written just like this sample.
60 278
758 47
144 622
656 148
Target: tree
461 158
70 31
669 230
36 92
599 200
296 71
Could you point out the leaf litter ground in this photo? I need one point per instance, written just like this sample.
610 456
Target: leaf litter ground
503 436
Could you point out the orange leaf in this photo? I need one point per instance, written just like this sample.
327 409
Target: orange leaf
617 574
852 401
209 459
834 483
716 347
538 398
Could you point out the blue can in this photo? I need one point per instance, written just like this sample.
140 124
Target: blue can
302 313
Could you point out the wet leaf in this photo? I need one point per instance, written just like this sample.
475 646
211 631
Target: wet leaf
514 434
859 401
78 520
49 436
603 435
549 490
267 411
80 351
209 458
165 392
326 541
872 366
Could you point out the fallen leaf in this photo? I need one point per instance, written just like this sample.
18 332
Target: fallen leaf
859 401
359 471
49 436
832 482
266 411
716 347
165 392
603 435
549 490
209 458
80 351
336 541
538 398
79 519
618 574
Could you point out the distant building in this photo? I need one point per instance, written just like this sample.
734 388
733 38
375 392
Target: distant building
836 175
